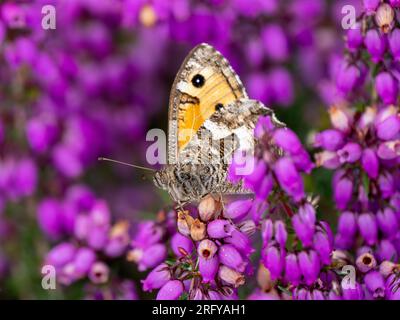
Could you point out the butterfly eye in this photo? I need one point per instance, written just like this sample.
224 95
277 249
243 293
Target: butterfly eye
218 106
198 80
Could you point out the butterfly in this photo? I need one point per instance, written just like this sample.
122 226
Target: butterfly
210 117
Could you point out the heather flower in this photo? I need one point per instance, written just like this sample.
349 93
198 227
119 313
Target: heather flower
387 87
172 290
376 44
208 268
159 276
181 245
219 228
394 43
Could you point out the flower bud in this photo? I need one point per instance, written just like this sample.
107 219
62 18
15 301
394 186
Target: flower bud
209 208
384 17
231 276
207 249
198 230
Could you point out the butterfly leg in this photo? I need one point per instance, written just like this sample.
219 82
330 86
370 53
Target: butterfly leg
180 205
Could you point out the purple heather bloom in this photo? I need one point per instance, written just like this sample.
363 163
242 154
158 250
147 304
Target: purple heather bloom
387 222
387 87
394 43
330 139
376 44
256 177
152 256
82 226
370 163
289 178
371 5
231 257
395 3
259 87
237 210
179 242
241 242
386 185
49 214
354 38
368 228
287 140
280 233
292 269
388 128
351 152
282 86
347 225
389 150
275 42
304 224
61 254
309 264
219 228
172 290
343 190
273 260
41 132
355 293
386 251
158 277
347 78
83 260
208 268
267 231
323 247
97 237
375 284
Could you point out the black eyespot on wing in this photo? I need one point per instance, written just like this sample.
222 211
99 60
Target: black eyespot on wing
218 106
198 80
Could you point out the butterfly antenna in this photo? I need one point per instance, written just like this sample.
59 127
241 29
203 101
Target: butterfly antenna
125 163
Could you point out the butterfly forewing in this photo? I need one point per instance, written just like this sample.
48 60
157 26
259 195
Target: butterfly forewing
205 83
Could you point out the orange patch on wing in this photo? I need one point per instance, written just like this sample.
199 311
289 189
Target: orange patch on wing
192 115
